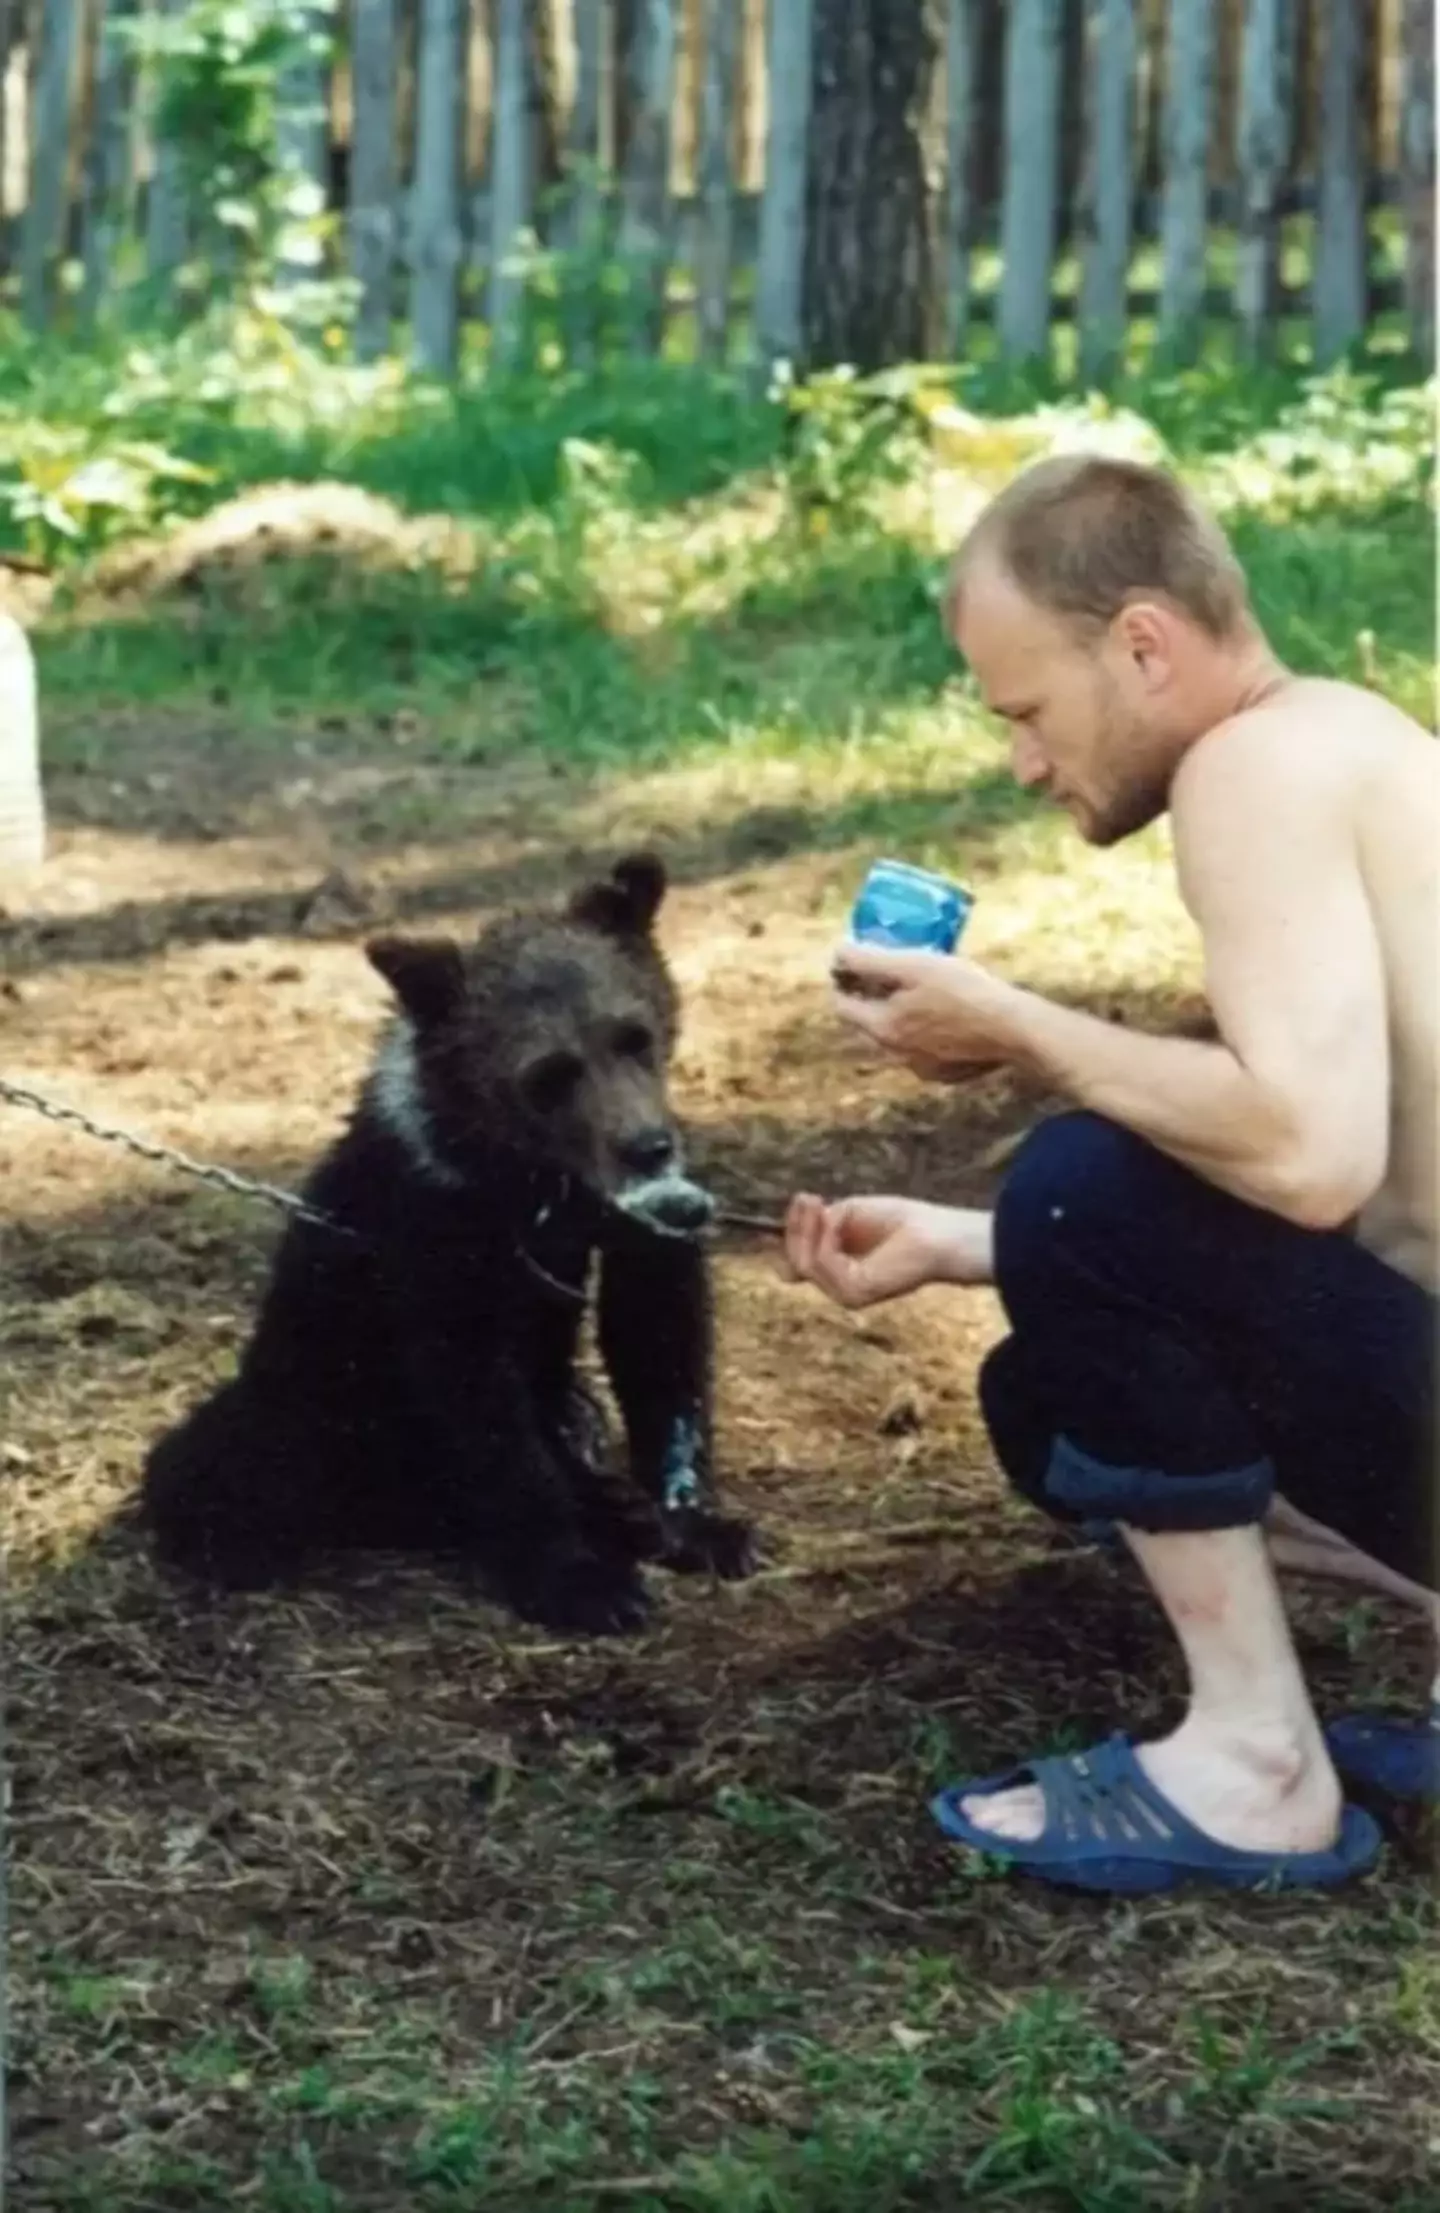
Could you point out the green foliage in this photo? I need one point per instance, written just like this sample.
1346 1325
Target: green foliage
253 397
846 436
65 487
1345 441
222 69
664 562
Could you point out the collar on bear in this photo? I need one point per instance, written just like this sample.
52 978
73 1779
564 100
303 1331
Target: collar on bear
573 1292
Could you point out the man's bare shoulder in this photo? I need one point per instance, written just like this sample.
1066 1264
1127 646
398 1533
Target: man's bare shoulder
1311 742
1284 788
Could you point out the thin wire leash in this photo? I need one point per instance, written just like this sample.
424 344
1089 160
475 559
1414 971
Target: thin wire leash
247 1187
223 1179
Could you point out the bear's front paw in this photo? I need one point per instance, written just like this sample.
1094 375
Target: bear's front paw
616 1518
698 1542
588 1595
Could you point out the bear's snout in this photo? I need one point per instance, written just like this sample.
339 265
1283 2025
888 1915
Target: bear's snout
649 1152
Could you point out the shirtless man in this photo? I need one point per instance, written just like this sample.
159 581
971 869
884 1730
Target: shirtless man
1220 1271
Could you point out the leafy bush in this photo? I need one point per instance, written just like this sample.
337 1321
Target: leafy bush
64 487
222 69
846 436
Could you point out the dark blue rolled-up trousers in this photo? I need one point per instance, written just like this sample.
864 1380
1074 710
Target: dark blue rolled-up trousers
1176 1356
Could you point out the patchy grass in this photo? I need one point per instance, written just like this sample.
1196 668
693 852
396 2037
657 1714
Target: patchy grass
363 1897
645 565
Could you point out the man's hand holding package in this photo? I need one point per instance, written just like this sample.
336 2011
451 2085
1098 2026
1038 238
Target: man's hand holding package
946 1019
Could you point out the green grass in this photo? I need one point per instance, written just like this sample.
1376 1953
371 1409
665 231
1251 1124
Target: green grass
935 2095
649 598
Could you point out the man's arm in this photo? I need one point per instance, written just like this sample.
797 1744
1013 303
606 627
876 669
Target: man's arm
1290 1112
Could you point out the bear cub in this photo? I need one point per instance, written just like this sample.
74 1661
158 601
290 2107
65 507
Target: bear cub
411 1379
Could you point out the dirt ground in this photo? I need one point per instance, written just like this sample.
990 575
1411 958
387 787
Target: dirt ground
319 1772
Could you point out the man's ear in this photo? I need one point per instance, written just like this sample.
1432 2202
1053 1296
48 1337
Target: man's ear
427 975
626 902
1143 633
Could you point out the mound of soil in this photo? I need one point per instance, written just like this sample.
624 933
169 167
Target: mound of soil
283 522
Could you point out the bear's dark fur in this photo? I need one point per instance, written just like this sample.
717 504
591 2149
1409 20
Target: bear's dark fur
411 1379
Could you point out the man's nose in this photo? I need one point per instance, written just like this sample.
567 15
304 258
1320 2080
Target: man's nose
1027 762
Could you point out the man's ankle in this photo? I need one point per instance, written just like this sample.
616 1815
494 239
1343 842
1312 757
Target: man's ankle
1281 1749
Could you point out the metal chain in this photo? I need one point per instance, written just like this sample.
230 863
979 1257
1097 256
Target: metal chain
246 1187
223 1179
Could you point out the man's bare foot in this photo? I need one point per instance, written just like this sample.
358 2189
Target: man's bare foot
1272 1790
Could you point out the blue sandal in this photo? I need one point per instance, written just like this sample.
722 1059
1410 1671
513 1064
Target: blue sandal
1401 1757
1108 1828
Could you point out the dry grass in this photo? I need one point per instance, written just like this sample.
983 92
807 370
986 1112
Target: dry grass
365 1897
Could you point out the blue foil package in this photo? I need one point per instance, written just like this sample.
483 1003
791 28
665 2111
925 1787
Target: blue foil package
909 908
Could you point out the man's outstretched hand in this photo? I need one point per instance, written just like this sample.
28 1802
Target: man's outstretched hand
863 1250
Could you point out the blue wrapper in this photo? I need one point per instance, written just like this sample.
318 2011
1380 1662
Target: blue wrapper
909 908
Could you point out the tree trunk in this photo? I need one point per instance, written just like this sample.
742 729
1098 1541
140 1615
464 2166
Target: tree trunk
1340 256
644 241
1108 189
436 243
373 141
109 157
1263 135
41 237
1417 172
1032 158
962 66
869 253
1183 223
510 180
716 177
780 271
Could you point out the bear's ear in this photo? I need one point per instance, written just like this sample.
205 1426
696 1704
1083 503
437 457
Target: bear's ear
427 975
627 902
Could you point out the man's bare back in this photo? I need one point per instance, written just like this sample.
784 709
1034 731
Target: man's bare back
1379 772
1398 832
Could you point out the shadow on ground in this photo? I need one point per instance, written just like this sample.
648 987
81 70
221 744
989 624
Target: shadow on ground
328 902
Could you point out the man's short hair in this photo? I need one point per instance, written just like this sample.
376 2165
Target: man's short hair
1083 534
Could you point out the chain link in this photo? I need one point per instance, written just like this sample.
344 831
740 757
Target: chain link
246 1187
222 1179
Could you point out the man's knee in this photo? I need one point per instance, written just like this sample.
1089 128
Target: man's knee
1075 1187
1021 1434
1160 1491
1132 1415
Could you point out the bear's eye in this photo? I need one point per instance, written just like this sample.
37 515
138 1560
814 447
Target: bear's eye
550 1082
634 1042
